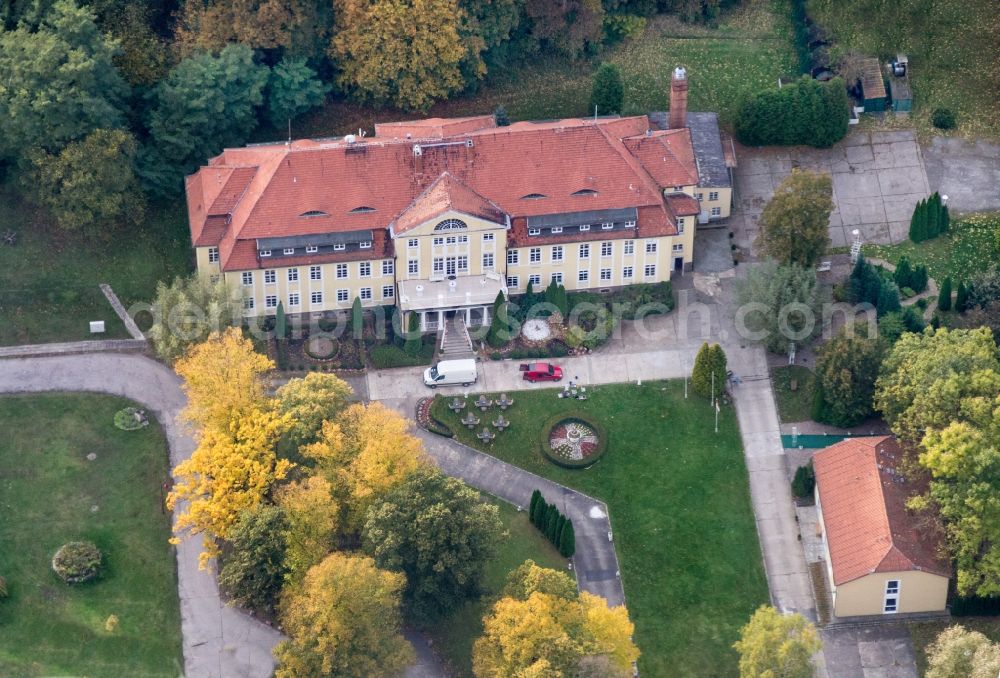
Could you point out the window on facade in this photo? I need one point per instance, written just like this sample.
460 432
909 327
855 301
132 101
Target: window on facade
339 247
316 272
487 237
247 278
270 301
605 274
438 241
293 299
650 270
678 248
699 195
413 266
387 268
311 249
413 243
713 195
213 255
488 260
438 265
450 240
583 276
627 272
629 247
365 244
585 227
341 271
462 239
607 226
366 294
365 269
535 280
534 231
463 264
556 230
450 225
293 275
557 278
513 282
680 225
248 304
892 587
342 296
716 211
557 253
316 298
629 224
288 251
535 255
650 246
270 276
265 253
512 256
606 249
585 251
388 291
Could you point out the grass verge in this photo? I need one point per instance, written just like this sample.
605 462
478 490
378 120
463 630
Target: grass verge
453 637
680 508
52 494
793 406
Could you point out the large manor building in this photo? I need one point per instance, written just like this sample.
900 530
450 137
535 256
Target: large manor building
437 216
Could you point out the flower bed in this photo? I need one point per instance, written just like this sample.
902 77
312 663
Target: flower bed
130 419
573 441
77 562
426 420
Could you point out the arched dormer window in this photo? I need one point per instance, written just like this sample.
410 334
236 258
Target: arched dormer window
533 196
362 210
314 213
451 225
585 192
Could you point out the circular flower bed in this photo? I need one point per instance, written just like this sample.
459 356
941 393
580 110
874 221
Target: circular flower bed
573 441
321 348
536 329
130 419
77 562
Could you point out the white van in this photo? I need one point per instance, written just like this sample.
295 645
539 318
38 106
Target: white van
451 372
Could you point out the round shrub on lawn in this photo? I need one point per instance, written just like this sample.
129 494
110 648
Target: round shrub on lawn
572 440
130 419
943 118
77 562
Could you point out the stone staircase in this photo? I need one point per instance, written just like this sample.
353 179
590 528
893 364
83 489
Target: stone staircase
455 342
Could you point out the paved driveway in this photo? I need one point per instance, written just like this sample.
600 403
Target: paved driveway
877 177
883 651
968 172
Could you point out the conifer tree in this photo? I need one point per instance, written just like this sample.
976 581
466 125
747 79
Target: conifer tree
918 222
710 359
888 299
356 318
560 526
962 298
412 344
904 273
536 496
567 541
552 522
540 513
933 217
496 336
944 297
918 280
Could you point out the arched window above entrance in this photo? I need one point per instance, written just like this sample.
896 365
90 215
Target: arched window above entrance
450 225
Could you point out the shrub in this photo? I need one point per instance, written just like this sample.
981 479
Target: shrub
804 112
327 325
907 292
77 562
943 118
804 482
501 117
710 360
620 27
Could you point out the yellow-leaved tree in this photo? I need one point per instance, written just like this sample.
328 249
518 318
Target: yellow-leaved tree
232 469
541 627
223 379
344 622
312 516
315 398
366 453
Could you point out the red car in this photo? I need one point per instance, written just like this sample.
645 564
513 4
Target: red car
541 372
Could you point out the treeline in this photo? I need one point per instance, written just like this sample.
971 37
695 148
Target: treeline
804 112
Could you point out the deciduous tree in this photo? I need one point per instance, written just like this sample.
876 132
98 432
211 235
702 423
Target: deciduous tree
407 53
254 568
187 311
775 644
223 380
780 305
298 27
530 578
310 401
311 514
440 534
59 83
960 653
344 622
607 93
795 222
292 89
569 27
846 369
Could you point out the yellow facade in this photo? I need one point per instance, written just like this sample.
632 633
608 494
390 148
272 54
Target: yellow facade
916 592
481 246
715 202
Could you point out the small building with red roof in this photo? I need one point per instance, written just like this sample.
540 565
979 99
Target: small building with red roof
881 558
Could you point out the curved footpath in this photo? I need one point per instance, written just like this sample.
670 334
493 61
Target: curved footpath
224 642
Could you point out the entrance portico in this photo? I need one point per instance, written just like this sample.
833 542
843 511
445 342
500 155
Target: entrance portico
470 296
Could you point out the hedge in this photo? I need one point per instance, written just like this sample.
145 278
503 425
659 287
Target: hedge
602 441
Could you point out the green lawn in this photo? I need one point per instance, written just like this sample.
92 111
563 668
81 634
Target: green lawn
748 51
793 406
680 510
923 634
49 280
968 248
951 48
453 637
48 490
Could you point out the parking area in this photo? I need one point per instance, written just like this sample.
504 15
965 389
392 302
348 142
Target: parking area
968 172
882 651
877 177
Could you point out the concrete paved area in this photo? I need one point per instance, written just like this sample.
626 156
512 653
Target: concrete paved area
878 177
883 651
968 172
218 641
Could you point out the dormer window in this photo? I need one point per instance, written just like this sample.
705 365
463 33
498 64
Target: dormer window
339 247
312 249
362 210
288 251
265 253
585 192
534 231
556 229
584 227
314 213
365 244
607 226
533 196
629 224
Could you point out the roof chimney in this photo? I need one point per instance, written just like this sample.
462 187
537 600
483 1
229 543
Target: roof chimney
678 99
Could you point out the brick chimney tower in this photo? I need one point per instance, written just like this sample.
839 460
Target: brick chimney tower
678 99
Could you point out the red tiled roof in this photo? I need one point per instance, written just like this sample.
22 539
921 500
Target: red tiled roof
683 205
489 168
668 156
433 128
446 193
863 499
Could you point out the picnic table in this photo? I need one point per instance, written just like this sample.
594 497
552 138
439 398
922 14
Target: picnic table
500 423
504 402
482 402
470 420
456 404
485 435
